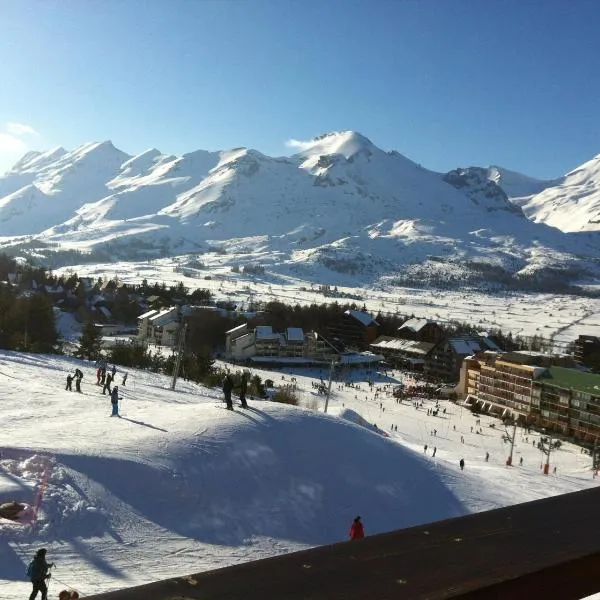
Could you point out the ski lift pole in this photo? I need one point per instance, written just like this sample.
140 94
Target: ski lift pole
329 384
180 346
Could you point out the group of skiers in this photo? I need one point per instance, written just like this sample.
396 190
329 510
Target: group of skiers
104 379
228 389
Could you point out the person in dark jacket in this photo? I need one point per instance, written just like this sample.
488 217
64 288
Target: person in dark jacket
227 387
357 531
114 400
38 573
107 383
78 378
69 382
461 464
243 389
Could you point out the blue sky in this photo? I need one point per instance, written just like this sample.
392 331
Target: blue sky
446 82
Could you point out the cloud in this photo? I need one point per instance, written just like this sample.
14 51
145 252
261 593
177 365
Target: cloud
299 144
20 129
10 144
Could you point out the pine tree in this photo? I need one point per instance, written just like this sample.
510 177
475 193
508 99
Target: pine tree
90 342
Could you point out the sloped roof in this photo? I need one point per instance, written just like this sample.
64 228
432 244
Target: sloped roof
466 345
408 346
414 324
148 314
237 329
294 334
363 317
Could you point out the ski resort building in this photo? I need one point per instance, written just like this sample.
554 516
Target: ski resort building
355 329
290 346
587 351
528 387
403 352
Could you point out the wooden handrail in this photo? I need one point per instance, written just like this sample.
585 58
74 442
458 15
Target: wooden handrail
548 548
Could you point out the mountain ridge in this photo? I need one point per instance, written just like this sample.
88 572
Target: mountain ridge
340 204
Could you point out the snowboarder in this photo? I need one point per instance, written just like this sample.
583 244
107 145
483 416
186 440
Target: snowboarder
243 389
124 379
38 573
462 464
227 387
357 531
114 400
69 382
107 383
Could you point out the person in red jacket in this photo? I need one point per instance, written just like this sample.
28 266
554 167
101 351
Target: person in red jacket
357 531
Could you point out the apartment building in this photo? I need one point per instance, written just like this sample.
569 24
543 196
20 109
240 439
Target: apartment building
567 401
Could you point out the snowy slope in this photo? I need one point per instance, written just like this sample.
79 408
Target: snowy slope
178 484
571 204
340 203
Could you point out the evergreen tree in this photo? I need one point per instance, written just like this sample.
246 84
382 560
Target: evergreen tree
90 342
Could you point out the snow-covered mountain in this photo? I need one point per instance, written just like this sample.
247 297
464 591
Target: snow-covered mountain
341 206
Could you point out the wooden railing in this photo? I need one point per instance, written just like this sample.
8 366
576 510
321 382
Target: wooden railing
547 549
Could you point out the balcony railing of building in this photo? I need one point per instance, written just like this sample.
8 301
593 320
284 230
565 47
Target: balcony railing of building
540 549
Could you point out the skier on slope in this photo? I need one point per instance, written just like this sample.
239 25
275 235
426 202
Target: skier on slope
357 531
107 383
69 382
38 573
78 378
227 387
243 389
114 400
462 464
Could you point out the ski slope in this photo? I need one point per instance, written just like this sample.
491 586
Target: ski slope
180 485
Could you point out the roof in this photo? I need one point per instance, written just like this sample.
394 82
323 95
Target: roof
265 332
414 324
355 358
294 334
572 379
363 317
148 314
466 345
237 329
401 345
521 358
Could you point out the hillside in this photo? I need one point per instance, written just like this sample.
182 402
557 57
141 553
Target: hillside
340 209
178 484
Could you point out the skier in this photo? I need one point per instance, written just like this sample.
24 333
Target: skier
521 461
107 383
38 573
124 379
462 464
114 371
425 448
434 450
69 382
114 400
487 456
78 378
227 387
357 531
243 388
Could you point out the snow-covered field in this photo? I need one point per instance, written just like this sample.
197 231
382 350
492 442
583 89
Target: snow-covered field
179 485
555 316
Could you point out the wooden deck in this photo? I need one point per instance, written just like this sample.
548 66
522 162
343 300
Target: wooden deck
548 549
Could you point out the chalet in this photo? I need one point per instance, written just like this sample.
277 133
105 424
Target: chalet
144 328
353 329
446 358
421 330
165 326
